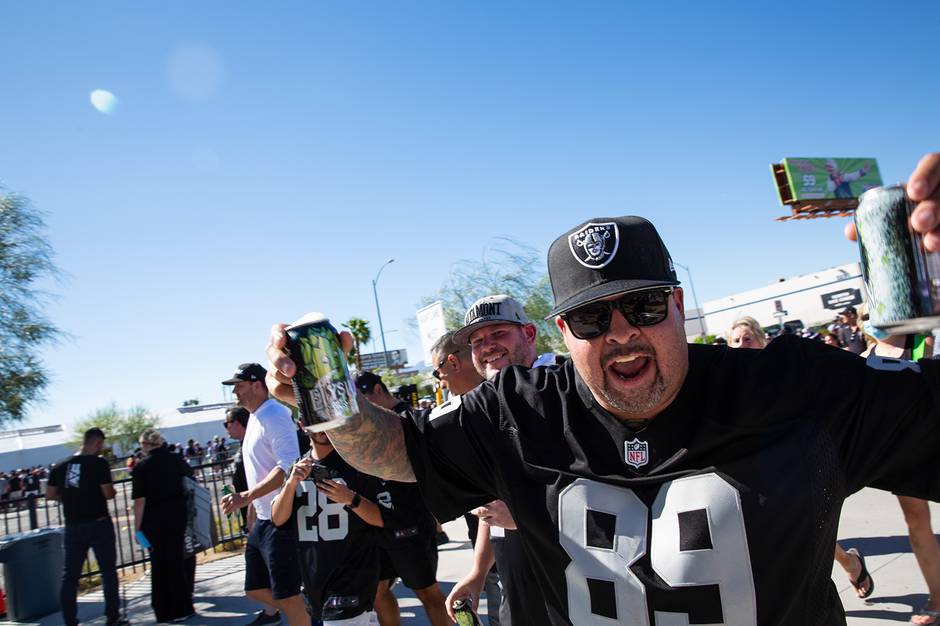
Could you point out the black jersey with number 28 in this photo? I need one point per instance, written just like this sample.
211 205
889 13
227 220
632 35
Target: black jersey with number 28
338 550
723 510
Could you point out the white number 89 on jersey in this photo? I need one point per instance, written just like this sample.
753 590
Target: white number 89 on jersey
603 528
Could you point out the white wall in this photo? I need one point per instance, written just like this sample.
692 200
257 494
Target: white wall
802 297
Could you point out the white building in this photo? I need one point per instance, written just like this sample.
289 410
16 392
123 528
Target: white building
806 301
43 445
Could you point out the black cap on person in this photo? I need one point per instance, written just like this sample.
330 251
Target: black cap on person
247 372
606 256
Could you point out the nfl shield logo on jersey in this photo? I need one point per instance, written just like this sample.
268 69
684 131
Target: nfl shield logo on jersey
595 245
636 453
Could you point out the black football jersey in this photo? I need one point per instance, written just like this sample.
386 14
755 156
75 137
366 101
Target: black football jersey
404 512
338 550
723 510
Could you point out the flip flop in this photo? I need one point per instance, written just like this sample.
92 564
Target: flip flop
925 612
862 576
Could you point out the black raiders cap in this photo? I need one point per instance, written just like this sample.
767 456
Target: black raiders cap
247 372
606 256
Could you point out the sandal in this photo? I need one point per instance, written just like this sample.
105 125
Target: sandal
925 612
862 576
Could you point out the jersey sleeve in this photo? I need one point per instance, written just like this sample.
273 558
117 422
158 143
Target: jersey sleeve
450 455
885 423
369 487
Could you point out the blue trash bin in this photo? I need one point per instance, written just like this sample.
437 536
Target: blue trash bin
32 572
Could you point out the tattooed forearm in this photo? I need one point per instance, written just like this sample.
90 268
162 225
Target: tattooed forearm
374 442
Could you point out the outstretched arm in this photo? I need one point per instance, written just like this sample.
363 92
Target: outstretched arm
372 441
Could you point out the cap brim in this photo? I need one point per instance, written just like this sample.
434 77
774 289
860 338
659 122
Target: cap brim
606 290
232 381
462 336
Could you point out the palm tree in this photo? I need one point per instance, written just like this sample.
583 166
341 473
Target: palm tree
359 329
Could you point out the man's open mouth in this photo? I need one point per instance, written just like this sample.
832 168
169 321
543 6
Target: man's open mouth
629 367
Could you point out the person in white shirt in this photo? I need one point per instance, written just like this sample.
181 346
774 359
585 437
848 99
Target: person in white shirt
269 450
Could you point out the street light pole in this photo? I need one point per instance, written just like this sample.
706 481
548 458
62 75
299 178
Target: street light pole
701 313
378 311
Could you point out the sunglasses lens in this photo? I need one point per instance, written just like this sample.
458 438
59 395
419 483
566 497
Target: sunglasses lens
589 321
646 308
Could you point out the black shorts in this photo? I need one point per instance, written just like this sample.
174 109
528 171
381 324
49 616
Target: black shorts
409 554
271 560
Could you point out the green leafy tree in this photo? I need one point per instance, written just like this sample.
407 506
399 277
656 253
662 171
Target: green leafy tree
359 329
122 428
191 402
25 260
509 267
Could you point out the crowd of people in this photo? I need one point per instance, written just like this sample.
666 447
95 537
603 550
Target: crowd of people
21 483
639 478
215 451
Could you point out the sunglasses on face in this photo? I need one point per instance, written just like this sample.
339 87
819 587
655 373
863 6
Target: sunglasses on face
437 370
641 308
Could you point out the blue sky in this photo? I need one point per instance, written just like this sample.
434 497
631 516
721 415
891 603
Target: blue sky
265 159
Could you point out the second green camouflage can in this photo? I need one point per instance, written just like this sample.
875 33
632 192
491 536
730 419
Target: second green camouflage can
323 388
902 279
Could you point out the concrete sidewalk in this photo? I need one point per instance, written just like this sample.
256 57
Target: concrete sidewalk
871 521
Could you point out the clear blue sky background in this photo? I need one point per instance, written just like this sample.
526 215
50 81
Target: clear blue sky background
267 158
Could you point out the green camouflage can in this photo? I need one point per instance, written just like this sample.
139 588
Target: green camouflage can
902 279
323 389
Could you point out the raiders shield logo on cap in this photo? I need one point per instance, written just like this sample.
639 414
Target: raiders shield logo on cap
595 245
636 453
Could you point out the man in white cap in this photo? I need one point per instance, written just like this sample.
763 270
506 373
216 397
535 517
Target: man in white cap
499 334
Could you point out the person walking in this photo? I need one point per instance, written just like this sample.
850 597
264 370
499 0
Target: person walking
160 514
83 484
270 448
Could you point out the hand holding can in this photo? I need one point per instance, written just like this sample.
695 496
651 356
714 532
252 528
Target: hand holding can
323 389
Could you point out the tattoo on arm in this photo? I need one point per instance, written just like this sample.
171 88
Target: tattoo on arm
374 443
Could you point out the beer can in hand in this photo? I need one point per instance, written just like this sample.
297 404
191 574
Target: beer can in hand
463 611
902 279
323 389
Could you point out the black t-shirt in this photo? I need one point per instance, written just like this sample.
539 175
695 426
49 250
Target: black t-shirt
338 553
78 480
401 504
853 340
158 477
734 493
239 480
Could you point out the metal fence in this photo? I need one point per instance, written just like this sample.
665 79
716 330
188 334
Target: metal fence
32 512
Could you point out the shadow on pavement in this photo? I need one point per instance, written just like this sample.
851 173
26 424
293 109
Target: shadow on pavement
869 546
913 600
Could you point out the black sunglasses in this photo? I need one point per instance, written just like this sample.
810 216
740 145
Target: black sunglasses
437 370
227 423
641 308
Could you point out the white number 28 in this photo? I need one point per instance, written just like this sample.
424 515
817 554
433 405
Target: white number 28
333 523
725 562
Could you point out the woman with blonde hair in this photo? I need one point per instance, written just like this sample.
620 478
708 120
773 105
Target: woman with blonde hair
746 333
160 514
